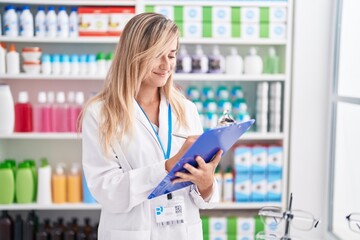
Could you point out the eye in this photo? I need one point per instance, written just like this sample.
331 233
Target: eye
171 56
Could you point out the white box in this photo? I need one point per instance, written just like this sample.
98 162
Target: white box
218 236
167 11
275 90
192 30
275 159
277 30
275 105
250 15
259 159
242 159
217 225
278 14
245 225
250 30
242 187
274 187
221 14
259 187
221 30
193 14
245 236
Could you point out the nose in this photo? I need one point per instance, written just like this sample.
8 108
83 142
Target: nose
165 63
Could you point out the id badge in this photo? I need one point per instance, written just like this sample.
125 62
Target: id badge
172 213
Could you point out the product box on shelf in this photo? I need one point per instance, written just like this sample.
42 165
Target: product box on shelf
103 21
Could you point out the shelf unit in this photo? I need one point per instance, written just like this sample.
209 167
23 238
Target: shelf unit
62 141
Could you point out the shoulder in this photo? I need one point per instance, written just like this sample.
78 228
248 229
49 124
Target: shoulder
189 106
93 109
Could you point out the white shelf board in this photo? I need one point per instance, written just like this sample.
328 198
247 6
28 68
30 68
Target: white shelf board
115 40
226 77
245 205
75 2
76 136
177 77
249 3
65 206
112 40
56 136
84 206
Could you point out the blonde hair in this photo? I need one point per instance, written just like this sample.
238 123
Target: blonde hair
142 39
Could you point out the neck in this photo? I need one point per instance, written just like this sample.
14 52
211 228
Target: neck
148 96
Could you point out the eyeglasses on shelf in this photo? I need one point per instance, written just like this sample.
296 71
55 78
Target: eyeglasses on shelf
353 220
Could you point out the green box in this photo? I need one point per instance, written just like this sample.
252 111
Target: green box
207 14
235 14
207 30
264 30
149 8
181 28
235 30
264 14
178 13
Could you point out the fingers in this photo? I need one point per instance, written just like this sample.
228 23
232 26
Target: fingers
182 177
216 158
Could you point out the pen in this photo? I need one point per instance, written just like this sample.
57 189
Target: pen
180 135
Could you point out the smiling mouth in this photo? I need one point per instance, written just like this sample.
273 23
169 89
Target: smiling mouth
161 74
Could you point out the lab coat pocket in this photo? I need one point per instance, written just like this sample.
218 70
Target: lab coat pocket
194 231
127 235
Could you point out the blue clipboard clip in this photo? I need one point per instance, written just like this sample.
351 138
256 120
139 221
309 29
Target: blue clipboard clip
206 146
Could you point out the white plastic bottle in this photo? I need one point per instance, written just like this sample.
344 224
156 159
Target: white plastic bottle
55 64
40 22
51 22
44 183
200 62
45 64
234 63
73 23
91 64
228 185
62 23
219 179
26 22
83 65
2 58
64 64
253 63
183 61
74 64
11 22
12 61
216 61
7 112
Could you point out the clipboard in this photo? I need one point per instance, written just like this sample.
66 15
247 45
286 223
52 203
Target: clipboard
206 146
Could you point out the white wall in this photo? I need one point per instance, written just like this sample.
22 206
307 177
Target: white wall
309 108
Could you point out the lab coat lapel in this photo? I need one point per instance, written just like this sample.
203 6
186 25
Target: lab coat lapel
140 116
164 122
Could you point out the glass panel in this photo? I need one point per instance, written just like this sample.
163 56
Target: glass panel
349 72
347 169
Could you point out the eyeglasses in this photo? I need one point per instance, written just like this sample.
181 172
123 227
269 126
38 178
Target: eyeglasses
299 219
273 236
354 222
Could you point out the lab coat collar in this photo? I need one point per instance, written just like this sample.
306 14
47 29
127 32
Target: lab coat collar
163 122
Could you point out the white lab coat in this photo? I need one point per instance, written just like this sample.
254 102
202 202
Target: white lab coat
122 183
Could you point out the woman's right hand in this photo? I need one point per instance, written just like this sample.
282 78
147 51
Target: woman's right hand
170 163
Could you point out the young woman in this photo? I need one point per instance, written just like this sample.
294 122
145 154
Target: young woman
128 146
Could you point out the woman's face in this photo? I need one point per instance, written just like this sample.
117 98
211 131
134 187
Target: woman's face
162 66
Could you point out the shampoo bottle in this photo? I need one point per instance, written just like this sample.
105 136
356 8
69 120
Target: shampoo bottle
31 226
2 58
200 62
271 62
216 61
59 184
39 115
7 113
234 63
6 226
44 183
23 113
253 63
7 180
24 183
228 185
18 228
12 61
74 184
183 61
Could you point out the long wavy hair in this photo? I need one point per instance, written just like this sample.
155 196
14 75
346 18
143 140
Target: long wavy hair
142 39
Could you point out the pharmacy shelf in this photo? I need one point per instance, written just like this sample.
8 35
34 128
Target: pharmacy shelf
177 77
35 206
114 40
249 136
252 3
83 206
75 2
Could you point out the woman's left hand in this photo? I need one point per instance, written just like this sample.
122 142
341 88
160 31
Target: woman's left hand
202 176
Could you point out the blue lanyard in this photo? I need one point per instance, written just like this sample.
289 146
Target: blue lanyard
167 154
